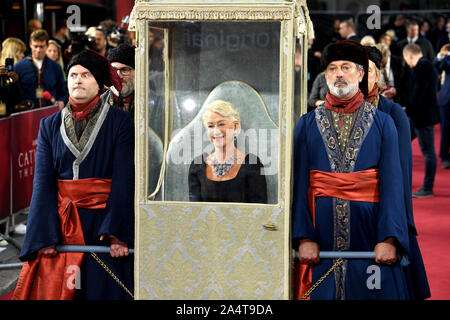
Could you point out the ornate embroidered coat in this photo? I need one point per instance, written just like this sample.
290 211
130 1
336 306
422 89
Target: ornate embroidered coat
105 150
367 139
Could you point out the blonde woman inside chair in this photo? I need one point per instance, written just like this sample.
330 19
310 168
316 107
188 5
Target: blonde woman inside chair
227 174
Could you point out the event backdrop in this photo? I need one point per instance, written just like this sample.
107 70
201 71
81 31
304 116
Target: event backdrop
19 134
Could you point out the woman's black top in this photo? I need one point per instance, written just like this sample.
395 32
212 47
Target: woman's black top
249 185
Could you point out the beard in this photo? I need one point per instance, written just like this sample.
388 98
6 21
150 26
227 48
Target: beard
342 91
127 88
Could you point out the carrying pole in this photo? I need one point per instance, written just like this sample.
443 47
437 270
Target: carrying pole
96 249
344 254
66 248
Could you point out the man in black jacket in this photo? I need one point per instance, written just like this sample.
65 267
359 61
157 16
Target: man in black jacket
347 30
444 38
413 37
422 110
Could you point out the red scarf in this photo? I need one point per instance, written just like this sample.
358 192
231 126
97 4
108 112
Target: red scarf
124 99
81 110
373 94
344 106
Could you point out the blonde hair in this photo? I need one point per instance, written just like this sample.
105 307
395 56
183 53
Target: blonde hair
368 41
11 47
225 109
390 33
412 48
384 49
58 47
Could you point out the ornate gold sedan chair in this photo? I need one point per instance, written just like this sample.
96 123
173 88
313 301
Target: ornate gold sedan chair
191 53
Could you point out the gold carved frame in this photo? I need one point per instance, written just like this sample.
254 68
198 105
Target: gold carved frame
150 215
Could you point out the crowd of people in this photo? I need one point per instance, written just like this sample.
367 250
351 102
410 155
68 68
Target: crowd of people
83 189
35 74
412 76
90 77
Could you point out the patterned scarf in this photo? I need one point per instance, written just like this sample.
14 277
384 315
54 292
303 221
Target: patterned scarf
81 112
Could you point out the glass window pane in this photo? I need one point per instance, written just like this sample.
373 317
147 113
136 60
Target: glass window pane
155 107
223 113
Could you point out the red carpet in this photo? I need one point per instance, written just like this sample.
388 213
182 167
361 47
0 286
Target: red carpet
432 217
7 296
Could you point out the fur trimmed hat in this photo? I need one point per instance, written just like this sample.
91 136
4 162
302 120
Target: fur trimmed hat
351 51
123 53
374 55
99 66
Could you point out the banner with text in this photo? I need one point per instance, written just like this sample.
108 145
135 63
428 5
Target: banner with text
24 134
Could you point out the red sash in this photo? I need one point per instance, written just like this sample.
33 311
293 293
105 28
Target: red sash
355 186
51 278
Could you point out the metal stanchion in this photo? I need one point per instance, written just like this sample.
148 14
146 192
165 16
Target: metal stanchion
14 242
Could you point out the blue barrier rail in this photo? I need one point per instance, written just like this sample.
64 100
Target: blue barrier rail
344 254
96 249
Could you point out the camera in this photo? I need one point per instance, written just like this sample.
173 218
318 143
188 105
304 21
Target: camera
117 35
9 62
79 43
10 93
4 78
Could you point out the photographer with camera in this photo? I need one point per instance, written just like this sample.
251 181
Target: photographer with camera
80 42
38 73
116 35
10 93
99 45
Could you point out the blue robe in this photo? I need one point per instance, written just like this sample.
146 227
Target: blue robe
420 288
444 106
111 156
343 225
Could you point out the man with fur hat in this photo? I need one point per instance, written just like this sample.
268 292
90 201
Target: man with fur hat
122 60
82 193
348 193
